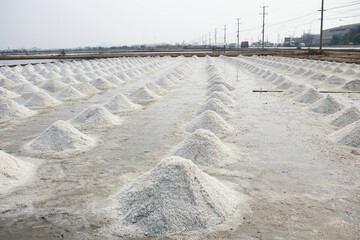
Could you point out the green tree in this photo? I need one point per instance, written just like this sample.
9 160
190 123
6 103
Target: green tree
356 38
335 40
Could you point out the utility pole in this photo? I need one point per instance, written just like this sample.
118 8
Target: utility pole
321 25
215 35
238 32
225 34
210 38
263 27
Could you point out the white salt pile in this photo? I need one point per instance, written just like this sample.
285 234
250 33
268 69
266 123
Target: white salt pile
338 70
4 93
310 96
27 88
41 100
85 88
308 73
285 85
69 80
60 138
69 94
114 79
175 196
227 85
143 95
225 99
349 116
352 85
102 84
300 71
327 105
120 103
13 172
165 83
211 121
7 83
218 88
279 80
272 77
216 106
156 89
295 90
53 85
349 135
318 76
94 116
11 110
335 79
202 147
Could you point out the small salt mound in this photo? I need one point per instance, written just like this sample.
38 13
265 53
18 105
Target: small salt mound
143 95
69 80
27 88
123 76
308 73
352 85
218 88
202 147
69 94
114 79
349 116
272 77
6 83
120 103
156 89
211 121
338 70
41 100
216 106
279 80
176 196
82 78
53 85
350 72
318 77
328 68
285 85
4 93
95 116
300 71
327 105
13 171
102 84
224 98
349 135
85 88
295 90
335 79
165 83
310 96
10 110
227 85
60 137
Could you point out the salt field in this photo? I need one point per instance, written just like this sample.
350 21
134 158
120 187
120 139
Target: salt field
258 147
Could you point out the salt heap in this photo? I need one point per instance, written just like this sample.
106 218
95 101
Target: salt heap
279 80
212 121
216 106
85 88
120 103
13 171
27 88
225 84
156 89
53 85
352 85
69 80
165 83
327 105
6 83
349 116
41 100
102 84
272 77
69 94
143 95
4 93
202 147
225 99
114 79
285 85
349 135
10 110
175 197
94 116
218 88
310 96
60 137
318 77
335 79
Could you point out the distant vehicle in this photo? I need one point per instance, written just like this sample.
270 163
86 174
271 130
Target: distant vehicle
301 44
245 44
292 44
232 45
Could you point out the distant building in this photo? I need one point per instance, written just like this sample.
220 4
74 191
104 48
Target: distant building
340 31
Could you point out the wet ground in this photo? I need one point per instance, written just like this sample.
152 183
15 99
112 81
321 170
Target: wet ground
299 184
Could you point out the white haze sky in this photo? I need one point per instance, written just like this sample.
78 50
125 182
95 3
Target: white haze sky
79 23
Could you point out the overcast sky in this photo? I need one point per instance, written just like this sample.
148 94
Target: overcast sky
79 23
